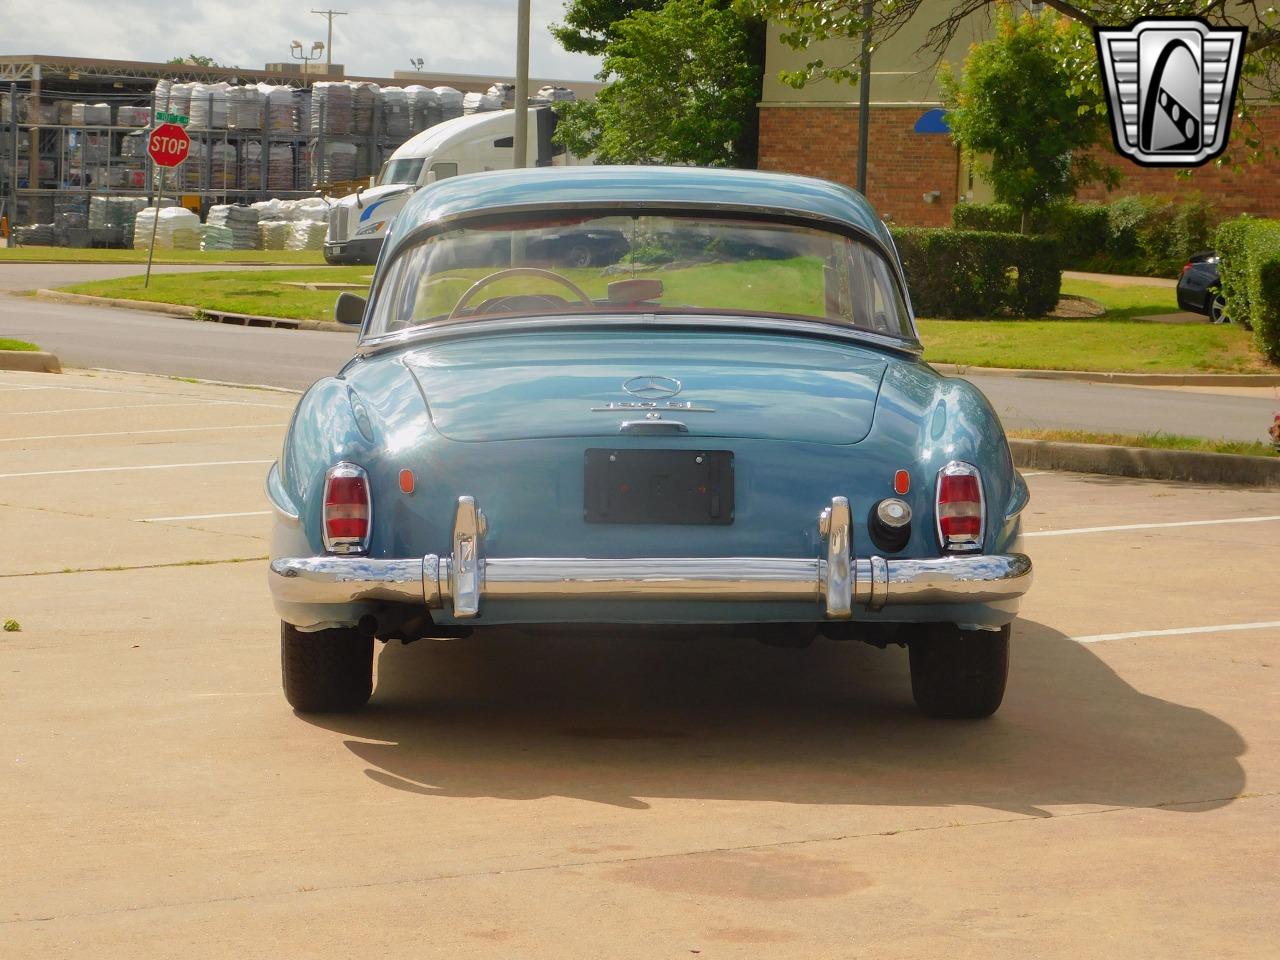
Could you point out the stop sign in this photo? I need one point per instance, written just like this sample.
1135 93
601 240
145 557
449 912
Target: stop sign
168 145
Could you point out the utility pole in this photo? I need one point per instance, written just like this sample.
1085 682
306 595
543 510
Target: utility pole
864 98
328 49
521 139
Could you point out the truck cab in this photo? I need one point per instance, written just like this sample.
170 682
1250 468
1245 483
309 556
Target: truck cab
470 144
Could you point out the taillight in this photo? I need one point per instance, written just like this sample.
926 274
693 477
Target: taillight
346 509
960 508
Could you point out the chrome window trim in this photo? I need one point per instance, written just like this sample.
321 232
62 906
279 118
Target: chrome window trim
959 468
465 328
783 216
346 546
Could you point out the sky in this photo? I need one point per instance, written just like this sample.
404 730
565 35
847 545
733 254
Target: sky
375 39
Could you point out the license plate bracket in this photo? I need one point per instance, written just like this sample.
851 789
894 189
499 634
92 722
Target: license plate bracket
659 486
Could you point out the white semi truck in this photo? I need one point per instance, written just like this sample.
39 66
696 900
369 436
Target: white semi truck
469 144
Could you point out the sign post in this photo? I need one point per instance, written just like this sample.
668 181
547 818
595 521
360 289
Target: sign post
167 145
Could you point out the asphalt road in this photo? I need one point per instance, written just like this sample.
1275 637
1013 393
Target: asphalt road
148 343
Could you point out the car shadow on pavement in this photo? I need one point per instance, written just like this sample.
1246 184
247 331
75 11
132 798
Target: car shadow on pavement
619 719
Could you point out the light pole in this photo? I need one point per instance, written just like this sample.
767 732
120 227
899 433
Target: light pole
864 98
521 139
329 15
296 51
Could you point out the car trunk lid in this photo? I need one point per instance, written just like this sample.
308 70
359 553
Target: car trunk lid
532 386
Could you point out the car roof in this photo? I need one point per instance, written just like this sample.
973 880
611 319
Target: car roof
710 190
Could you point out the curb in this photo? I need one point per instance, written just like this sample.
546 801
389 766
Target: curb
1147 464
30 361
1133 379
192 313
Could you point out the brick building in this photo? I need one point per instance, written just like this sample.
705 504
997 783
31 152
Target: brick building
915 174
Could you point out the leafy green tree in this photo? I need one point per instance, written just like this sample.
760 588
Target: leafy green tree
1021 117
681 84
195 60
805 22
588 24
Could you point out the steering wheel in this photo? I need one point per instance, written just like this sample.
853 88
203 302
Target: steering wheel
483 282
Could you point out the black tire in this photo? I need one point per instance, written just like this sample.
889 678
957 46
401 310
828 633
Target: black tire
959 674
578 255
329 671
1217 307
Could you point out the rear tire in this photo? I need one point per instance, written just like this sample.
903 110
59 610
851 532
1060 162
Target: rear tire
959 674
1218 307
329 671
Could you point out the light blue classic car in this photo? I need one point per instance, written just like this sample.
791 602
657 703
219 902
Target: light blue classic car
729 428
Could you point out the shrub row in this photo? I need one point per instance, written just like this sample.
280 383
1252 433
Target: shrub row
1144 235
973 273
1249 265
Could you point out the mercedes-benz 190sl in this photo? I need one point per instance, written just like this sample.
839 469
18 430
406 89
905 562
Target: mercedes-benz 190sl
729 429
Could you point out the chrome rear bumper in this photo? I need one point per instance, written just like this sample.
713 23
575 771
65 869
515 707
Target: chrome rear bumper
833 581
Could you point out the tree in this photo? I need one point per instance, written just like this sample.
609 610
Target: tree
1018 103
805 22
681 84
588 24
195 60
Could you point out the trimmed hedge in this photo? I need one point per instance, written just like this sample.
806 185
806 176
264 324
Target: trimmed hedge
1144 235
1081 228
974 273
1249 264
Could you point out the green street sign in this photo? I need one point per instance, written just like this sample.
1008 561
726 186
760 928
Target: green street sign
177 118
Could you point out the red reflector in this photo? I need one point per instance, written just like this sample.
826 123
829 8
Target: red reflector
406 481
902 483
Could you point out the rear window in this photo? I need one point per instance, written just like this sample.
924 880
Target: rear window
681 266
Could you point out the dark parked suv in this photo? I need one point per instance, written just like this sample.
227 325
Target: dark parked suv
1200 287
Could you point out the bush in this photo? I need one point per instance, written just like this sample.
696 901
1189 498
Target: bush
1081 228
973 273
1250 269
1143 235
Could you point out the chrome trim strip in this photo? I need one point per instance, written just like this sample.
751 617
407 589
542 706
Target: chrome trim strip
471 328
339 579
653 578
467 570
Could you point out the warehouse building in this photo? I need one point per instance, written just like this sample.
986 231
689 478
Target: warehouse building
74 128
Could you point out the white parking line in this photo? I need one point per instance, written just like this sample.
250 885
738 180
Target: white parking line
1035 473
1178 631
134 433
205 516
1148 526
147 406
154 466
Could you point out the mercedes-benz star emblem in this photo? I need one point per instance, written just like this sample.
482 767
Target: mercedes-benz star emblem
652 388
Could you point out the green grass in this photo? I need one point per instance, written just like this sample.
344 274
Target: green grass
259 292
1096 345
1157 441
7 344
78 255
1114 342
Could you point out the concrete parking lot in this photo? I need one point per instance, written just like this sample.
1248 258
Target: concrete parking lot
606 796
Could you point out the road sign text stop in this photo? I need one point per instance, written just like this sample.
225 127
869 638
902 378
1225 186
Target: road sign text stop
168 145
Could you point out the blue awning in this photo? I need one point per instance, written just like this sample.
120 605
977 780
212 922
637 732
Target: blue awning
933 121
